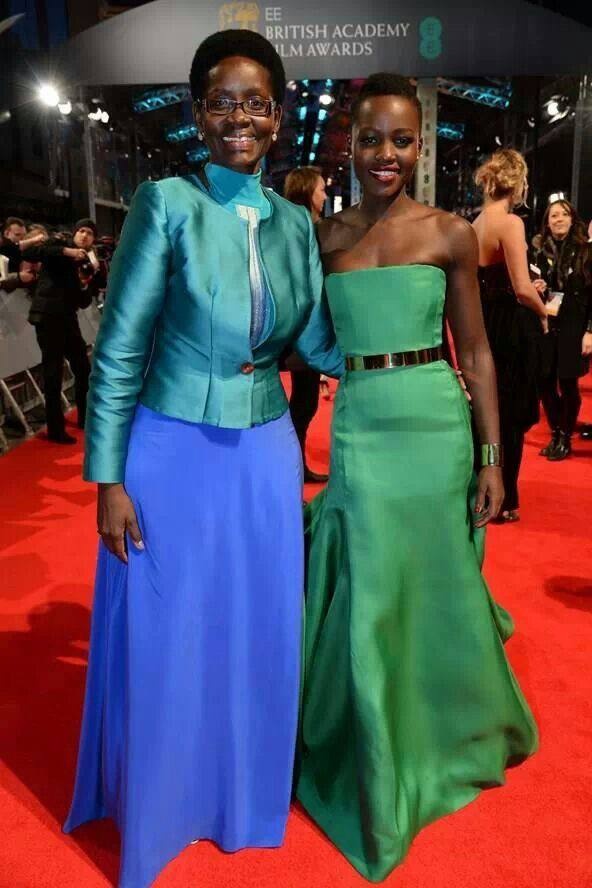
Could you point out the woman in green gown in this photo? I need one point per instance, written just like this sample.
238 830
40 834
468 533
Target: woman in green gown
410 706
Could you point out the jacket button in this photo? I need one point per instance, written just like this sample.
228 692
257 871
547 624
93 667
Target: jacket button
247 368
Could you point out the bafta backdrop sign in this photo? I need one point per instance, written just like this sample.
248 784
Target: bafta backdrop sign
154 43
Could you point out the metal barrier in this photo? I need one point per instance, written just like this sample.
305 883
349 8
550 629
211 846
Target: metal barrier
19 355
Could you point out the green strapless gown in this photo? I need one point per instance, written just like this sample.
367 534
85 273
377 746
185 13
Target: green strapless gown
410 707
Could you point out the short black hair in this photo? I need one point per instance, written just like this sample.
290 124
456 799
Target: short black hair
236 42
386 84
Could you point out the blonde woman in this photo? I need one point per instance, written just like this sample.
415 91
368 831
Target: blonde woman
511 304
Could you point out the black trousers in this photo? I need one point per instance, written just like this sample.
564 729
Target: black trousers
304 402
513 444
59 337
562 401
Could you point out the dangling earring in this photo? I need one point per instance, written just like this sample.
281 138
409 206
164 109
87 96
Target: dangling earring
274 137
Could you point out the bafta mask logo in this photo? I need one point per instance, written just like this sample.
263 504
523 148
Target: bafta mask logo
239 15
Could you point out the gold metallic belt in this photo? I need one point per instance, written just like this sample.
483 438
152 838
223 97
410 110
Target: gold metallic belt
395 359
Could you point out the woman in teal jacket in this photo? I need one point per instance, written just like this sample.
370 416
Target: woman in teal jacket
192 690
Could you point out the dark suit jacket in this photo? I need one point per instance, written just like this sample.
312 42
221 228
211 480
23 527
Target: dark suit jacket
59 290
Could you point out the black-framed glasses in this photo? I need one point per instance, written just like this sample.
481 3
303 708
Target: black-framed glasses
254 106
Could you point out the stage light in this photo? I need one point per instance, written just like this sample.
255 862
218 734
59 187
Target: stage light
5 116
105 117
291 84
325 99
552 107
498 141
304 94
65 107
322 114
302 112
557 108
316 138
48 94
311 156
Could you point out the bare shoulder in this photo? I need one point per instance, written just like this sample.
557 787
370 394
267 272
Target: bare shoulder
333 232
513 224
460 236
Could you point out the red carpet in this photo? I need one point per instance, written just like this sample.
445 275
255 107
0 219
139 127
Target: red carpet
532 834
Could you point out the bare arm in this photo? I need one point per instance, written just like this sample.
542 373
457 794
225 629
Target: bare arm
464 315
513 241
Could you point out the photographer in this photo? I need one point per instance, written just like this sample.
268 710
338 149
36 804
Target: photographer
69 277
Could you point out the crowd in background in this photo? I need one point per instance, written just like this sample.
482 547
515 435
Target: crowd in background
64 271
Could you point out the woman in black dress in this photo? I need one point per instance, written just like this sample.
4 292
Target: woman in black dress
511 305
564 257
305 186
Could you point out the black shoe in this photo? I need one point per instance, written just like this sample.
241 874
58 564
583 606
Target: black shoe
313 477
548 450
586 432
562 450
62 438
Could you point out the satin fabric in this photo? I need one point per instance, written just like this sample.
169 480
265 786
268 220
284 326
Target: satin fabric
410 707
192 689
175 332
241 194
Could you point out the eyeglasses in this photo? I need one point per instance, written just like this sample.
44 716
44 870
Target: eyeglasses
254 106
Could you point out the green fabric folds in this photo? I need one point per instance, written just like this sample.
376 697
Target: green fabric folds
410 707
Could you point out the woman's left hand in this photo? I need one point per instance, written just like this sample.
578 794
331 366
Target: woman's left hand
587 345
490 495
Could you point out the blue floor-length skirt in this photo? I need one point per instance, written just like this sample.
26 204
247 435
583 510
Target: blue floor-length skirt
191 702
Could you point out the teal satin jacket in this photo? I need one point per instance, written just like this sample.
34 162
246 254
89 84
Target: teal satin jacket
175 334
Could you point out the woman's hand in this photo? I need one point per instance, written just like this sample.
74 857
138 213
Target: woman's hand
587 345
115 516
490 495
545 324
540 285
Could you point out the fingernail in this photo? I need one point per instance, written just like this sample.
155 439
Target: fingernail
139 545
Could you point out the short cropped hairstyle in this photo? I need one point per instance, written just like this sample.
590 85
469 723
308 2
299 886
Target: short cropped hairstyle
12 220
300 185
386 84
236 42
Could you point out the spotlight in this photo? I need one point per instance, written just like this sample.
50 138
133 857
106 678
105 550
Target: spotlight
48 94
292 85
5 116
304 94
326 99
557 108
105 117
65 107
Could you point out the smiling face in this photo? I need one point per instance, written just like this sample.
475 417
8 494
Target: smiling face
559 221
238 140
386 144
